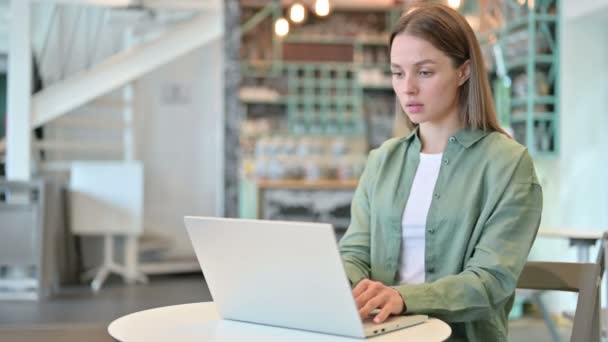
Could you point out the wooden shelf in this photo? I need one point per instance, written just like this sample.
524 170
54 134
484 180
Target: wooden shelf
522 62
522 101
254 100
379 86
323 184
545 116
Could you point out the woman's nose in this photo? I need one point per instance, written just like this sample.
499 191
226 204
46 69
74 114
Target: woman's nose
409 85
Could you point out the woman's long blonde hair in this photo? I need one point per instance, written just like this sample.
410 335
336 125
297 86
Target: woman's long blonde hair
448 31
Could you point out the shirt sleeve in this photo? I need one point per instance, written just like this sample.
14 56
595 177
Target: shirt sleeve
490 276
355 244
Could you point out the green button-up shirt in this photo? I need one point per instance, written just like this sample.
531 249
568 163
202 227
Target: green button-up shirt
483 218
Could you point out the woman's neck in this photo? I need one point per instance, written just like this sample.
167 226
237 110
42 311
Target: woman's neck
434 137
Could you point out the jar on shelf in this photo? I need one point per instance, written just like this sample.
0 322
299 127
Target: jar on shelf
345 169
339 147
290 146
261 147
261 167
359 165
312 168
275 169
329 166
304 148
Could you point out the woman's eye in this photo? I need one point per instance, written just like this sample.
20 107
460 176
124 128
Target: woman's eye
425 73
397 74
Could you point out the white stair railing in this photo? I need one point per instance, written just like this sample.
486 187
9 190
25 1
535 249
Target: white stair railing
77 90
121 69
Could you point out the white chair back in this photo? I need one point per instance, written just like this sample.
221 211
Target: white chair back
106 197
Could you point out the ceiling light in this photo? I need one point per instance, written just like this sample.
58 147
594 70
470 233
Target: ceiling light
322 7
297 13
455 4
281 27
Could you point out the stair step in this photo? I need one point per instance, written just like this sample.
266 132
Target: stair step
108 102
85 122
63 165
51 145
94 111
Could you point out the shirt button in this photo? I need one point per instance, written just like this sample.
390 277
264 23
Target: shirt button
432 230
446 161
431 269
436 196
452 139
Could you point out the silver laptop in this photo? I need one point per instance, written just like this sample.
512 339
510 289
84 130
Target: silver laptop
285 274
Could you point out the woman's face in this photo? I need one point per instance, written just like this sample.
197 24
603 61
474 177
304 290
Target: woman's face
425 80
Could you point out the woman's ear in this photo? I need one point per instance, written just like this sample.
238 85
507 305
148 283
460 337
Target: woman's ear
464 72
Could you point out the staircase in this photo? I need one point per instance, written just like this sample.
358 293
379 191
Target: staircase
102 129
85 108
89 54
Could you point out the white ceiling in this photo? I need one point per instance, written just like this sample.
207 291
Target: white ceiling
358 3
184 4
344 4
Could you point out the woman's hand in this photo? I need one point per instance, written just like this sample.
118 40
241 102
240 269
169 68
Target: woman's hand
371 295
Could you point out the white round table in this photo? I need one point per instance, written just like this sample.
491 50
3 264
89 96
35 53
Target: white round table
201 322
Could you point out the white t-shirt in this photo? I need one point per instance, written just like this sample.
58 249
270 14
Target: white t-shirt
413 224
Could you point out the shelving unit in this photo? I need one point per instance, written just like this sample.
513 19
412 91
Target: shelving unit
527 94
325 201
327 79
320 96
324 99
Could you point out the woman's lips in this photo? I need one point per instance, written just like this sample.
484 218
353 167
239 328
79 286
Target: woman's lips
414 108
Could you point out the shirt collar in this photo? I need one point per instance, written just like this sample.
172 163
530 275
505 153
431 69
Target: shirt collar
469 136
466 136
412 133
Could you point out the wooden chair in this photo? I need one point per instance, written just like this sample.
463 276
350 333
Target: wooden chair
584 278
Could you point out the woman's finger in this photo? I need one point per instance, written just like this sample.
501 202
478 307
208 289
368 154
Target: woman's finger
361 287
383 314
376 302
364 297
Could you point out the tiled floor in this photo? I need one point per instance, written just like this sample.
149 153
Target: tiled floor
78 315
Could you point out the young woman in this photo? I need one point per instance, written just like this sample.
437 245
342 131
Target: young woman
443 218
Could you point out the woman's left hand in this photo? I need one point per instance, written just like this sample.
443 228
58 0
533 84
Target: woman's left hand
371 295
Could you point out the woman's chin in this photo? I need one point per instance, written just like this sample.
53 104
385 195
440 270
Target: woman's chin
416 118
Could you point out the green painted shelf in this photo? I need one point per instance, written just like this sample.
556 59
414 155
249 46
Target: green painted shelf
535 100
522 62
522 22
534 34
281 101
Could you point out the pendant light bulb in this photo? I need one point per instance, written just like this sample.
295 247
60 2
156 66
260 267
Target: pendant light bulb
455 4
281 27
322 8
297 13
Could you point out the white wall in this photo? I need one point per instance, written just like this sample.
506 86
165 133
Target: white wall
4 10
573 9
181 142
576 185
179 139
